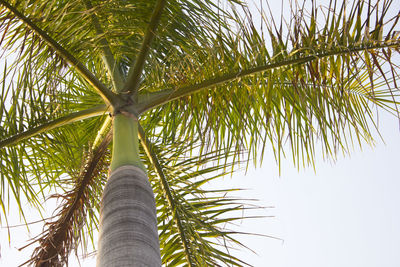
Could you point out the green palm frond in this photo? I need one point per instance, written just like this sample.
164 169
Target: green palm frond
304 82
32 167
38 97
37 26
193 221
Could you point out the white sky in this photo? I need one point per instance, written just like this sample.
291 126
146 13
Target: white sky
345 214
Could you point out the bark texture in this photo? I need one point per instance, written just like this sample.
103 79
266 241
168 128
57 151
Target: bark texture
128 221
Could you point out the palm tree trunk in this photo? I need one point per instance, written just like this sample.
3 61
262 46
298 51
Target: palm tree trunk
128 220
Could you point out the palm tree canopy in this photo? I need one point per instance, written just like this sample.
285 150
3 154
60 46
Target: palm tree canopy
211 90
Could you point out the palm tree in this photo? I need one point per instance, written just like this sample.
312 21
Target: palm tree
184 92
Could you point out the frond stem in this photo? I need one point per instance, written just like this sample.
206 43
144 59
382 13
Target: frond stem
107 55
102 132
137 68
148 147
108 96
167 95
47 126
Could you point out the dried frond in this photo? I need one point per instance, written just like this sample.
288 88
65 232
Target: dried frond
63 235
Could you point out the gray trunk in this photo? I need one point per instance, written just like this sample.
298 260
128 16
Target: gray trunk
128 221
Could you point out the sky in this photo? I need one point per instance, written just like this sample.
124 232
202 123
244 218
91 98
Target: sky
345 213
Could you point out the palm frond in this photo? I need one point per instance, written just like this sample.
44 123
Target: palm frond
29 25
47 126
148 147
314 81
38 164
36 99
192 220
